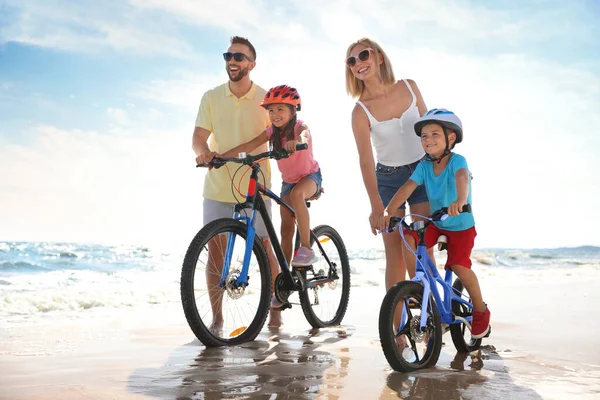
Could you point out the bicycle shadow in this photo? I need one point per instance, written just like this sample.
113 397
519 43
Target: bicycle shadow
284 365
464 379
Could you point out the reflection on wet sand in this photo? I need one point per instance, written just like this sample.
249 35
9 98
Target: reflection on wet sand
288 366
468 380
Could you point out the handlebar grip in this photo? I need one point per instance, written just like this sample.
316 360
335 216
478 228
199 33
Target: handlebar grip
302 146
466 208
215 163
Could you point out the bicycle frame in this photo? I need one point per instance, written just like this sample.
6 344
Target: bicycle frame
428 275
255 202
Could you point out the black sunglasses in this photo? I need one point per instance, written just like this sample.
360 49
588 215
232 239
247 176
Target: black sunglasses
362 56
239 57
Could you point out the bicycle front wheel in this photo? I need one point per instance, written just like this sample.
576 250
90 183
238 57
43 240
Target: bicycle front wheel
325 304
219 310
405 346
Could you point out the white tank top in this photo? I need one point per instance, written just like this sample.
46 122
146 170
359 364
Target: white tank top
395 140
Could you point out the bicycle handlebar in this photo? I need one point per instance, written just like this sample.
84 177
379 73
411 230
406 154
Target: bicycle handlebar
249 159
438 215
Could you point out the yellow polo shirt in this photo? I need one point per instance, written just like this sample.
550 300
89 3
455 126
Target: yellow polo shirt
232 121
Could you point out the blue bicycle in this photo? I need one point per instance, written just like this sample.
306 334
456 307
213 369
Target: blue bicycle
414 316
226 283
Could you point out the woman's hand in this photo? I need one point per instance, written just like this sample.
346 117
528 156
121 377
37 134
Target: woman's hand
376 218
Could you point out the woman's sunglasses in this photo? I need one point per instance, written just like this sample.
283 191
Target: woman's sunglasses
362 56
239 57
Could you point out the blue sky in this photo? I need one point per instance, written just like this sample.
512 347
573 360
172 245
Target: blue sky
98 101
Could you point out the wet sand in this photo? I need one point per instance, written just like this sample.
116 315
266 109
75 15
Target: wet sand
544 345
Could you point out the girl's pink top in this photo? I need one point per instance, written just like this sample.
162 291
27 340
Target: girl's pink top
298 165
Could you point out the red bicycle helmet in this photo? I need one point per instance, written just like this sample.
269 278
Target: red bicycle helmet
282 94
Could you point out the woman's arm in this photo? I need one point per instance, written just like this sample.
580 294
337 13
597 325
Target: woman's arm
247 147
420 102
362 136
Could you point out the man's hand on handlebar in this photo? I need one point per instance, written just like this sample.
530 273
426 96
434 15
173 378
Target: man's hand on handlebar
204 158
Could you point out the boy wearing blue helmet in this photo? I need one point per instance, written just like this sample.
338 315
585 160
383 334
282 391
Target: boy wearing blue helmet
448 183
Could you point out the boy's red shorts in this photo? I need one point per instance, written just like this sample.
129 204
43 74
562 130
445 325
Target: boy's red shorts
460 243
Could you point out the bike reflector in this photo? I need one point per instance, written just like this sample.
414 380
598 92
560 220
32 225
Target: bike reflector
324 239
238 331
252 187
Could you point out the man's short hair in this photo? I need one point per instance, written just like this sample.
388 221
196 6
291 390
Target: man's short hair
246 42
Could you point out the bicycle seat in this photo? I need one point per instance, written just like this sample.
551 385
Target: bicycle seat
442 242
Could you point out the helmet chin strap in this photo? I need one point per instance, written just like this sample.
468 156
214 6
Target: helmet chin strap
446 150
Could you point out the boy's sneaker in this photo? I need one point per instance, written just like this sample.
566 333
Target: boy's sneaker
480 326
304 257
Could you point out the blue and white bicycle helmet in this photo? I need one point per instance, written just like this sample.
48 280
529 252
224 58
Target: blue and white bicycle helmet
448 120
441 116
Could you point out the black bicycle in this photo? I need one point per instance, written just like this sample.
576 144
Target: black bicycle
226 280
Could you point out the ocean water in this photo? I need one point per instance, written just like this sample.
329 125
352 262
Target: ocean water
41 281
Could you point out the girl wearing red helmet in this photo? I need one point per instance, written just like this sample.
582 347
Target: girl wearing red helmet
300 171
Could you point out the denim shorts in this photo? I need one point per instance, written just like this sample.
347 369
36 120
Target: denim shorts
390 179
286 188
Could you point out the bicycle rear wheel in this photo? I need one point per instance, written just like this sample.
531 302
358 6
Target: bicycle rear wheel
461 336
224 314
326 304
406 348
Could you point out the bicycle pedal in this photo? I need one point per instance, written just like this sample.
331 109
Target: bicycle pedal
488 334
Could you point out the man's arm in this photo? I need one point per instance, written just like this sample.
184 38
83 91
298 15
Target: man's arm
200 145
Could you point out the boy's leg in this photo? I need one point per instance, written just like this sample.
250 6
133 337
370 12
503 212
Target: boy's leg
460 244
471 284
421 209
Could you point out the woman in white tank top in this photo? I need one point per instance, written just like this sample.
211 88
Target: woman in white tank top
383 119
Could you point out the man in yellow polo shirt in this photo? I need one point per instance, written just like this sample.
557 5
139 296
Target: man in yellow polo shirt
229 115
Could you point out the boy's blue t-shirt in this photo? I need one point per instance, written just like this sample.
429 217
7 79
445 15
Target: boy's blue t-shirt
441 190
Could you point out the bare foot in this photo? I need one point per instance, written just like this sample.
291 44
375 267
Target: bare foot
216 327
401 342
275 319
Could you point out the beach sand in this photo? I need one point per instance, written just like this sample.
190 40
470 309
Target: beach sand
544 345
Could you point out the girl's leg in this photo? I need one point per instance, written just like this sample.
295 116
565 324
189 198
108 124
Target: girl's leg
302 191
288 228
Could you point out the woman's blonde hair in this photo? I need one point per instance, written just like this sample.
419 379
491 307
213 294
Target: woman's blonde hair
355 86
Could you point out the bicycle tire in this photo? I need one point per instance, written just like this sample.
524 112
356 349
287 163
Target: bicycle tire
317 314
457 331
387 332
189 290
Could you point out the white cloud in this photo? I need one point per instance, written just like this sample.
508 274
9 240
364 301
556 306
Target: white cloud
184 91
529 123
91 27
88 186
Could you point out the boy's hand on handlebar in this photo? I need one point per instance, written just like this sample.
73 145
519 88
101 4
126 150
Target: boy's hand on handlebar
455 208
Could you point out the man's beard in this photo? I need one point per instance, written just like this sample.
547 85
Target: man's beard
239 75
